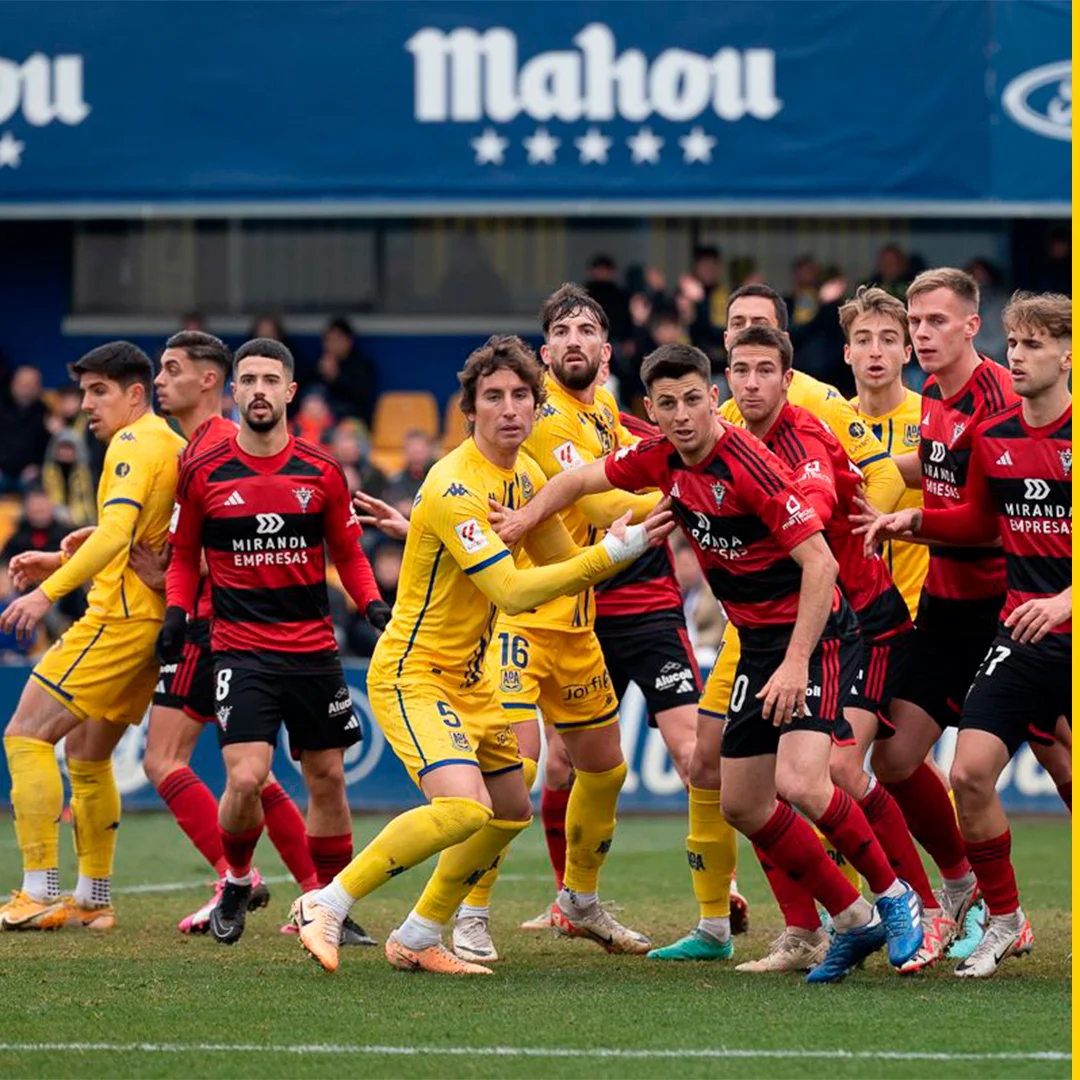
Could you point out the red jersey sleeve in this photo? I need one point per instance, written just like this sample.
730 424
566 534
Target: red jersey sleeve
816 479
343 533
635 468
975 520
185 540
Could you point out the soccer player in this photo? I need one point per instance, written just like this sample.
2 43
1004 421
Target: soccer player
99 677
761 547
428 684
1019 489
261 505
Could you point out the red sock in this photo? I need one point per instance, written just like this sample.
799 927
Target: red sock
330 854
1065 791
845 826
796 902
994 871
929 812
790 843
553 817
193 805
287 832
887 821
239 850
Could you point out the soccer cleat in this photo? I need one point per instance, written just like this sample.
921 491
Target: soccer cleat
697 945
967 941
1006 935
597 924
435 958
794 950
23 912
320 929
740 911
91 916
227 918
472 939
902 916
199 921
352 933
940 927
847 950
544 921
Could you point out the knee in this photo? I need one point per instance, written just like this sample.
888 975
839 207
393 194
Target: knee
808 791
158 764
887 764
704 771
246 780
970 782
325 777
848 774
742 814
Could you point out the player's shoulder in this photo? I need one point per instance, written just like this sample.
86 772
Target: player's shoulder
457 476
606 403
1002 425
993 385
812 393
527 465
149 437
729 411
316 456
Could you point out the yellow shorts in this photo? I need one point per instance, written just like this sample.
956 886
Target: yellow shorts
562 673
431 724
102 670
717 695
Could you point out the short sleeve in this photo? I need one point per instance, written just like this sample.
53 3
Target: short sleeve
639 467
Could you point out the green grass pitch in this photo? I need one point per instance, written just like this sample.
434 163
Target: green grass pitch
144 1001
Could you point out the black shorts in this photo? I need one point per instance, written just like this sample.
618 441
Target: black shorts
316 708
881 671
951 639
833 667
655 653
1020 690
188 685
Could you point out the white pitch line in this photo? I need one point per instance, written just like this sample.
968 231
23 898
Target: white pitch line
717 1053
273 879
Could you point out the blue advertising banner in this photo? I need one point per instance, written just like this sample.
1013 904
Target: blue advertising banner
377 780
398 107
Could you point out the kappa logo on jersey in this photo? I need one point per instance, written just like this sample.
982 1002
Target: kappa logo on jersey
1035 490
471 536
127 437
548 410
235 499
937 452
1065 456
456 489
718 492
566 454
223 713
268 524
304 496
1005 459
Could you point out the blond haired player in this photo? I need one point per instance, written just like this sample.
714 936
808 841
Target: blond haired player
99 677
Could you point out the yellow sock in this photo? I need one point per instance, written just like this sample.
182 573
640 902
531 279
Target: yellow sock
95 813
37 799
480 896
711 851
842 864
590 825
409 839
463 865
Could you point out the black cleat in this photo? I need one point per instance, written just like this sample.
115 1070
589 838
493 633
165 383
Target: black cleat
259 898
227 918
352 933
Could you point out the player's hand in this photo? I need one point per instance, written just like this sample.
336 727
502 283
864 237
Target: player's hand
1034 619
23 615
150 565
378 614
75 540
877 527
509 525
784 695
32 568
380 515
659 522
170 642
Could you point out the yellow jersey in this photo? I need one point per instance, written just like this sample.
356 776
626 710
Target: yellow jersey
135 502
898 432
884 484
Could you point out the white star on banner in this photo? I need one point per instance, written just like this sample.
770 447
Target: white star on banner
490 147
697 146
594 146
645 146
541 147
11 150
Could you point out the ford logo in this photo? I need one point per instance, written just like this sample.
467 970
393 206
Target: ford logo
1041 100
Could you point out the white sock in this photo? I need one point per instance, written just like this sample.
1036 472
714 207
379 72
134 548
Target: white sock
855 915
718 928
960 885
92 891
234 879
894 890
467 911
42 885
335 897
418 933
1014 920
579 901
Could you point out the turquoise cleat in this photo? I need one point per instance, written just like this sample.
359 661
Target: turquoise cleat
697 945
974 927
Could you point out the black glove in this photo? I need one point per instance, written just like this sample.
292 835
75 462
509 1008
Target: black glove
170 642
378 614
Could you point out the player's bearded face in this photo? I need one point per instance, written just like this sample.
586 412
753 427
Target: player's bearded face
575 349
757 381
685 411
942 327
262 392
877 352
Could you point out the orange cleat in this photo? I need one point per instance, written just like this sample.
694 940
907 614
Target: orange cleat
23 912
91 916
436 958
319 929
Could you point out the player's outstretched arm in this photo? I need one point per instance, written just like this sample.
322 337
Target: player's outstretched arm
910 468
380 515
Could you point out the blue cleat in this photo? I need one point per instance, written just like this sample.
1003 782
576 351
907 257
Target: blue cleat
902 916
848 950
971 933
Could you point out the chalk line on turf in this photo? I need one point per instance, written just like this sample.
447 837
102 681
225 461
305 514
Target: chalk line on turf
273 879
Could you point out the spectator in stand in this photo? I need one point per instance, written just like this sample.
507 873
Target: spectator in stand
993 299
13 650
603 286
708 289
360 635
1056 267
819 340
893 271
655 323
23 434
314 419
403 486
349 446
193 320
345 375
67 416
804 302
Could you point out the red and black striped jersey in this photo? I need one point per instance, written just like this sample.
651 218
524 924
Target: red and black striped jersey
742 513
830 480
264 524
648 584
947 428
208 434
1019 488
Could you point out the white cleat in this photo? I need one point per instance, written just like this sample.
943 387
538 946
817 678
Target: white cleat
941 925
1006 935
794 950
543 921
472 939
597 924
